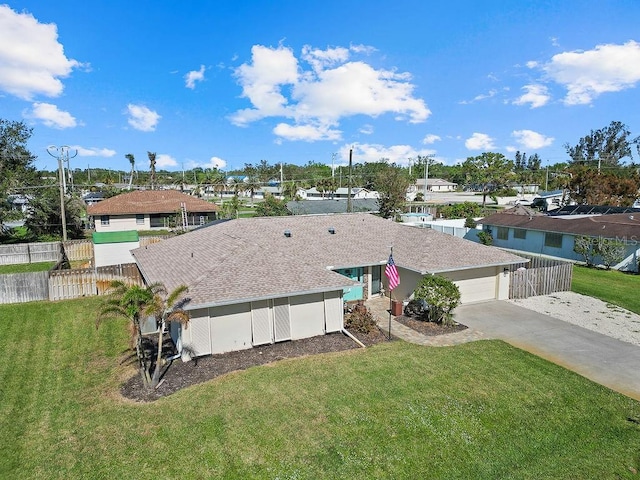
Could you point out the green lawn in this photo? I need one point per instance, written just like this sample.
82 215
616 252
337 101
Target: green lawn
480 410
610 286
26 267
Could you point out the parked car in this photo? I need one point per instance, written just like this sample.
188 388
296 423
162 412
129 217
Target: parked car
418 308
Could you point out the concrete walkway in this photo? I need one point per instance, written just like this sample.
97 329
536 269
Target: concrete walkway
602 359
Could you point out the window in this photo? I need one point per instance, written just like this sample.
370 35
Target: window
520 233
553 240
104 219
503 233
139 219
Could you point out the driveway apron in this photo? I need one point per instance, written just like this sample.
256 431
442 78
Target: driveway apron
602 359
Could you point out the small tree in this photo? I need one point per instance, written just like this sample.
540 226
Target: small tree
583 245
485 238
441 294
611 251
271 207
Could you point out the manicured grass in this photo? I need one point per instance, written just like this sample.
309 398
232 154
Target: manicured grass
480 410
26 267
608 285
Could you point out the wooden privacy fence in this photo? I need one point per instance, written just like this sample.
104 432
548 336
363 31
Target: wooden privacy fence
542 276
66 284
78 249
29 253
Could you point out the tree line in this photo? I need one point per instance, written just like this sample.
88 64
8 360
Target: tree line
600 169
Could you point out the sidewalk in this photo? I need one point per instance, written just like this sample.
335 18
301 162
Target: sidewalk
379 307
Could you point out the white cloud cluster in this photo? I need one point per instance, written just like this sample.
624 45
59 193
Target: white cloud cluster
371 153
588 74
194 76
430 139
93 151
163 161
51 116
531 140
479 141
535 95
142 118
314 100
217 162
32 61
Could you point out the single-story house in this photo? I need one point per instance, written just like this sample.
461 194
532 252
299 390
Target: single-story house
527 230
149 210
338 205
255 281
340 193
434 185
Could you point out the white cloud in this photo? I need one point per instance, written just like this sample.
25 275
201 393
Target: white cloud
366 129
217 162
531 140
308 132
194 76
141 118
317 98
163 161
430 139
536 95
479 141
371 153
483 96
51 116
93 151
31 59
588 74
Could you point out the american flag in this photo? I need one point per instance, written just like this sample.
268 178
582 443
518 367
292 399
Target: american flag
392 273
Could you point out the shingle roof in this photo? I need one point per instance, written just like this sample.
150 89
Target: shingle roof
150 201
607 226
251 258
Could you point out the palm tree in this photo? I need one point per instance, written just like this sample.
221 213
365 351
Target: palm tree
152 168
167 308
130 302
132 160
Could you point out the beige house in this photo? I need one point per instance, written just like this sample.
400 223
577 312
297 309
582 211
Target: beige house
254 281
149 210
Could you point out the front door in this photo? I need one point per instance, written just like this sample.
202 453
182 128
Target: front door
376 275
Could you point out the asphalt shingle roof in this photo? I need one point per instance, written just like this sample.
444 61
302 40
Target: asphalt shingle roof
251 258
150 201
622 225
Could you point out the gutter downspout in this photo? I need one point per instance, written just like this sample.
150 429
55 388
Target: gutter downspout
353 338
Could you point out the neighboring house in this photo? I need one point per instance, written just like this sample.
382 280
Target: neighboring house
255 281
312 207
91 198
340 193
416 219
19 203
524 229
433 185
149 210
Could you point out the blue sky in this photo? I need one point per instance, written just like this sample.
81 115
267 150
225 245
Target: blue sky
225 83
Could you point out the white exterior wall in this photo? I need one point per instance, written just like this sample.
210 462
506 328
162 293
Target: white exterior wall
230 328
333 312
307 316
476 285
114 253
121 223
194 338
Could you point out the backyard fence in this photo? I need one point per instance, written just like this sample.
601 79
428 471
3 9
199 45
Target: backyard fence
29 253
65 284
541 276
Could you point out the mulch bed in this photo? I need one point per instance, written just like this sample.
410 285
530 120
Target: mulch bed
429 328
180 375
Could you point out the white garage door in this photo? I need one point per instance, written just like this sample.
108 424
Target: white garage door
476 285
307 315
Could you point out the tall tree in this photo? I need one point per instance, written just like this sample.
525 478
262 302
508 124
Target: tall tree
44 219
152 168
392 184
489 171
606 146
16 162
588 186
132 161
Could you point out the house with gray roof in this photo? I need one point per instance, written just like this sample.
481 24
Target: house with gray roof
254 281
527 230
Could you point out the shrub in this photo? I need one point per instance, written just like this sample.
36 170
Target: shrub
470 223
485 238
442 294
360 321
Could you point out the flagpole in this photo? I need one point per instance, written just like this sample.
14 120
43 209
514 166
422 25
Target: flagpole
390 303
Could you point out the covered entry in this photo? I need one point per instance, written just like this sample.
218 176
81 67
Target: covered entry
351 294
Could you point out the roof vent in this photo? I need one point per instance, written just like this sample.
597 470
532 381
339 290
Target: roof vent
630 217
287 233
332 230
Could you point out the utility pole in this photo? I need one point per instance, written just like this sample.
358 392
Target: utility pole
426 174
61 154
349 203
333 168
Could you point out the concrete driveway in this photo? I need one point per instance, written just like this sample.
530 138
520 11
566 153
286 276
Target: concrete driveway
602 359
